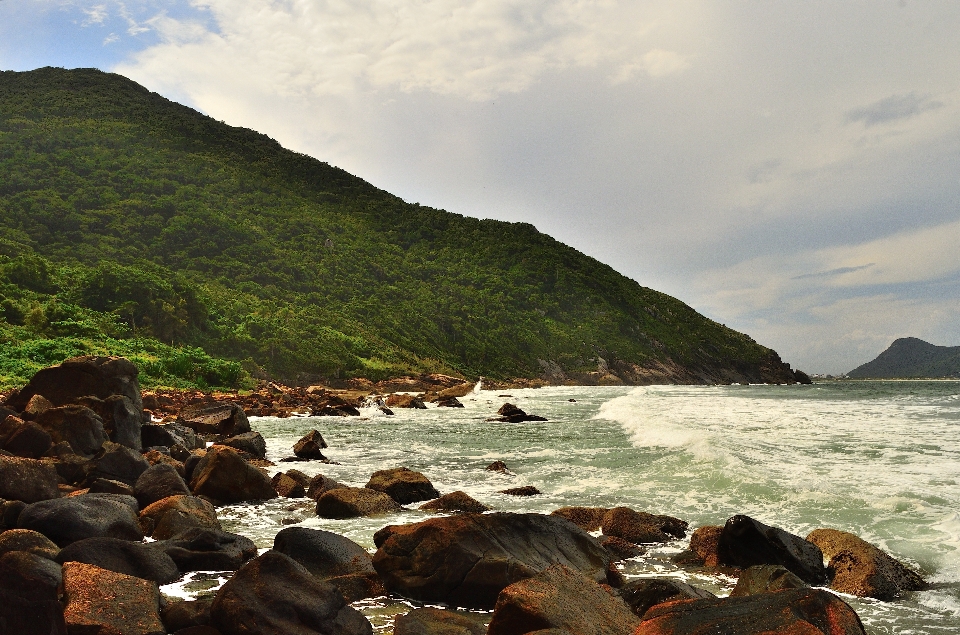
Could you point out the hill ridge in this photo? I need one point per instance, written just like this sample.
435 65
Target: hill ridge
911 357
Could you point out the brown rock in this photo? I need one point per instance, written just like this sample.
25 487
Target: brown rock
29 541
310 446
525 490
403 485
432 621
859 568
399 400
621 549
81 376
203 549
157 482
222 417
79 426
766 578
455 502
351 502
29 441
287 487
320 485
640 595
154 457
498 466
173 515
745 542
224 476
37 405
27 480
109 603
704 542
180 615
560 598
251 443
640 527
586 518
333 558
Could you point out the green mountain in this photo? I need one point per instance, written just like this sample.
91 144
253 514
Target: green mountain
909 357
135 225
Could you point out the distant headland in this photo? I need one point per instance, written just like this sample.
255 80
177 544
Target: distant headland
909 357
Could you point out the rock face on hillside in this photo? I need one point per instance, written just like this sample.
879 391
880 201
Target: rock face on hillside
911 357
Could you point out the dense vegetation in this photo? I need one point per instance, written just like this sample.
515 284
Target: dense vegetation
909 357
134 225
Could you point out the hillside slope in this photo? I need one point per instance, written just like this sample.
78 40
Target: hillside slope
125 215
909 357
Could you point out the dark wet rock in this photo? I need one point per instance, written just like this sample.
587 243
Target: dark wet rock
220 417
121 418
123 556
467 559
79 377
198 630
180 615
29 441
299 477
431 621
79 426
324 554
703 544
320 485
644 593
191 462
455 502
498 466
224 476
449 402
287 487
859 568
28 541
30 617
586 518
766 578
106 602
72 468
27 480
158 482
510 413
106 486
282 598
67 520
806 611
399 400
621 549
169 435
37 405
310 446
250 442
745 542
351 502
358 586
117 463
201 549
29 576
525 490
162 455
560 598
403 485
10 513
173 515
640 527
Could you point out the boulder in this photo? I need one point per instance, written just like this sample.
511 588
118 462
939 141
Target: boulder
351 502
137 559
250 442
29 441
117 463
640 527
168 435
401 400
67 520
432 621
224 476
162 455
177 616
10 513
220 417
467 559
79 377
37 405
525 490
287 487
30 617
79 426
766 578
191 463
157 482
106 602
310 446
806 611
201 549
703 543
29 542
30 576
173 515
560 598
121 418
403 485
745 542
859 568
498 466
280 597
320 485
586 518
449 402
27 480
324 554
510 413
644 593
458 501
106 486
621 549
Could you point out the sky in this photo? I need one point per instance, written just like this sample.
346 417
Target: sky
789 169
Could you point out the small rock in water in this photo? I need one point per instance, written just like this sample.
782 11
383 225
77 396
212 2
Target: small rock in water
310 445
509 413
455 502
497 466
526 490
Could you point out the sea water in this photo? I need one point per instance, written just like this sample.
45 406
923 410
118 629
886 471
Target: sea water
878 459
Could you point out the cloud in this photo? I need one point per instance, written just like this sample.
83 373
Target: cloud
95 15
893 108
833 272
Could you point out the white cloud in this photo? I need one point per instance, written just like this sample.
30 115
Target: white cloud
95 15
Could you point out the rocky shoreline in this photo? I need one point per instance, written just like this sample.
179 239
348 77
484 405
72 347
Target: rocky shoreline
107 493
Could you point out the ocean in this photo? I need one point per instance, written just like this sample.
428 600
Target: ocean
878 459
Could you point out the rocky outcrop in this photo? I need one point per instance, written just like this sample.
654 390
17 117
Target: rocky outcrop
859 568
806 611
225 477
745 542
351 502
560 598
79 426
467 559
79 377
101 601
67 520
455 502
641 527
280 597
173 515
122 556
27 480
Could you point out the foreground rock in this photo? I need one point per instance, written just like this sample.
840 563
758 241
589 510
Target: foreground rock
745 542
224 476
200 549
67 520
431 621
640 595
352 502
79 377
122 556
105 602
586 518
27 480
859 568
332 558
800 611
29 603
455 502
273 595
766 578
563 599
467 559
640 527
175 514
30 617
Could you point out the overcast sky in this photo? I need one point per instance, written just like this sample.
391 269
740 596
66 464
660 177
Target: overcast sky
790 169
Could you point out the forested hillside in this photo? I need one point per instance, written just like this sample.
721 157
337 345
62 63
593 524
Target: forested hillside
135 225
909 357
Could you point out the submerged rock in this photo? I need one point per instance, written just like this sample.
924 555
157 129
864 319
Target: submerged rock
510 413
525 490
